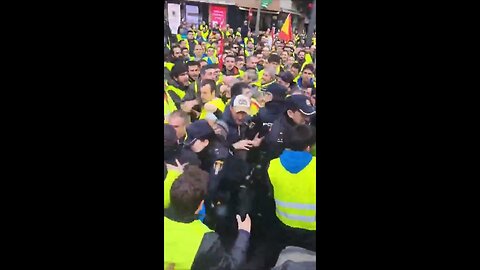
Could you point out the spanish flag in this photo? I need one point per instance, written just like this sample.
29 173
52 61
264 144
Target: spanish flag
286 31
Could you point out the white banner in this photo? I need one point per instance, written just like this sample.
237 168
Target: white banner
192 14
174 16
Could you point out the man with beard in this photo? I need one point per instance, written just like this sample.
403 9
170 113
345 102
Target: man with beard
301 57
193 71
178 85
298 112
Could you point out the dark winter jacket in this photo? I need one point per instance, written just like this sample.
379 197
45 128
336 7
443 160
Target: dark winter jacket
233 72
280 131
183 155
235 132
212 254
271 112
176 99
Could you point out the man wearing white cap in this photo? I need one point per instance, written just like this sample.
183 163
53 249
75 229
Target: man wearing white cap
237 117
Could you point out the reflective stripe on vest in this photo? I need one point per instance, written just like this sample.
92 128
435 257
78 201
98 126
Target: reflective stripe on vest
295 194
181 243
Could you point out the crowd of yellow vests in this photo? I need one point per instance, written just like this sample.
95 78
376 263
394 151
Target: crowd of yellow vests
257 61
202 46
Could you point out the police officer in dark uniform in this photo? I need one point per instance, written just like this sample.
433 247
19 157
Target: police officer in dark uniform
298 112
228 175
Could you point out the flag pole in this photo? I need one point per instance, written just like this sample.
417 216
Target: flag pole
257 26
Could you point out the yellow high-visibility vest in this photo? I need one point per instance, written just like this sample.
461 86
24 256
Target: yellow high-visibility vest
294 194
172 175
181 243
176 90
168 65
168 105
217 102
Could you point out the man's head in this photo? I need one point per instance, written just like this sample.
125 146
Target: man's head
240 109
240 88
208 72
207 90
188 191
211 51
170 140
185 53
301 55
275 92
250 44
290 61
229 62
203 63
193 69
179 120
190 34
176 52
268 75
199 134
250 76
266 52
295 69
252 62
198 51
299 109
286 79
307 73
274 61
284 57
182 43
301 138
179 73
239 62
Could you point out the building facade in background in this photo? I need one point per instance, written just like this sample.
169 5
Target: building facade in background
236 12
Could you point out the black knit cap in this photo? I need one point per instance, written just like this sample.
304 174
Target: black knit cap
178 69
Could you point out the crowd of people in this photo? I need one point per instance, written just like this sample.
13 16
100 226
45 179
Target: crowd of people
239 149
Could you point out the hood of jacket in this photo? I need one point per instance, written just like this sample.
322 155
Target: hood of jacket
295 161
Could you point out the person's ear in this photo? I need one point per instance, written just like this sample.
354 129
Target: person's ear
290 113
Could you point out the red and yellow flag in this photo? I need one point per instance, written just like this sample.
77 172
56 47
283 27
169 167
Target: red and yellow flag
286 31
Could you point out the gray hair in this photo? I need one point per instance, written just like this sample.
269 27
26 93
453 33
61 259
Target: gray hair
270 71
252 75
